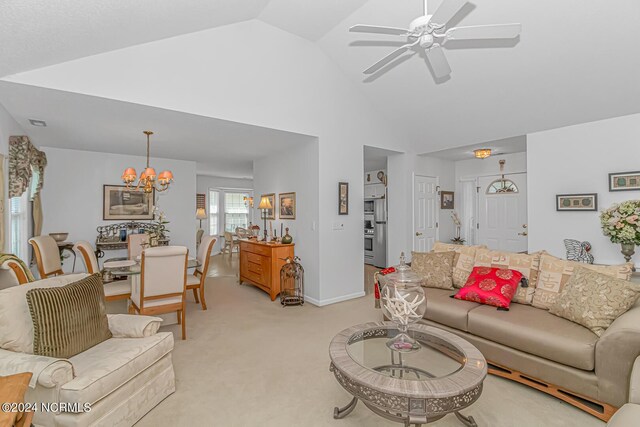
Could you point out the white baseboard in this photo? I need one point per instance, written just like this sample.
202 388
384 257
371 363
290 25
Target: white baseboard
321 303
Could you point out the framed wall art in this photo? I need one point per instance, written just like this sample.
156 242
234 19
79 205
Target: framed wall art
287 205
120 203
577 202
624 181
343 198
271 213
446 200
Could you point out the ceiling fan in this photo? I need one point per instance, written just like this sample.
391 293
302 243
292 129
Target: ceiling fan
429 34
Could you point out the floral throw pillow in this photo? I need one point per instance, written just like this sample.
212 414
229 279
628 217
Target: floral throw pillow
490 286
436 268
595 300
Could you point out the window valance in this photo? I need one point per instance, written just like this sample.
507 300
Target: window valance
25 162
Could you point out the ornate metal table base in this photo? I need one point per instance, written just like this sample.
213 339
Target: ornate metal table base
339 413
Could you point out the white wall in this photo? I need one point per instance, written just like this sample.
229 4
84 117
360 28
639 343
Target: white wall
72 195
8 127
298 89
578 159
296 170
206 182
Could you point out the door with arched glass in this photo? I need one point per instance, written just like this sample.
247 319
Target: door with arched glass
502 212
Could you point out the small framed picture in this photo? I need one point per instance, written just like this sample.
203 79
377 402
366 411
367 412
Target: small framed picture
343 198
446 200
287 205
624 181
271 213
577 202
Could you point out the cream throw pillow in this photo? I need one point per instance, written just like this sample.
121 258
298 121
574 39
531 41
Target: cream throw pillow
463 261
595 300
436 268
556 272
527 264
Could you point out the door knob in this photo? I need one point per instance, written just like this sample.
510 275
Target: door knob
524 225
524 233
418 233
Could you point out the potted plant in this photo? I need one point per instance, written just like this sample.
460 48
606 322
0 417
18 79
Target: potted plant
621 223
159 231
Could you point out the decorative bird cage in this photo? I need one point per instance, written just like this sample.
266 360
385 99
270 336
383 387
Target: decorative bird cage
292 282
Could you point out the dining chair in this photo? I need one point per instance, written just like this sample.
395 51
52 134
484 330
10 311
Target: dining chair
113 291
135 244
162 285
196 281
199 235
17 267
228 243
47 256
242 233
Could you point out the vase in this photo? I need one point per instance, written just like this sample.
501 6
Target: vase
628 249
287 239
404 303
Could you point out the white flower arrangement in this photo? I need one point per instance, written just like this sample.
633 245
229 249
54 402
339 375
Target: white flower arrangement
621 222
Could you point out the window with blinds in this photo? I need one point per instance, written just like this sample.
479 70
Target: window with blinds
236 211
214 202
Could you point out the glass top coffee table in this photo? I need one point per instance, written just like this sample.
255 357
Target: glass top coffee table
443 377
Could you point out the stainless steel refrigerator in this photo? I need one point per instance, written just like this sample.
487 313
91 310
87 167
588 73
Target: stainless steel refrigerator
378 239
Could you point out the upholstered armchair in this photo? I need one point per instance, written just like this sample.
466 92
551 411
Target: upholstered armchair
122 378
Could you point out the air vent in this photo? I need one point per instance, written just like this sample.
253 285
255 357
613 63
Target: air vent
40 123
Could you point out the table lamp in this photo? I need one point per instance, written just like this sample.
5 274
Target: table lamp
265 205
201 214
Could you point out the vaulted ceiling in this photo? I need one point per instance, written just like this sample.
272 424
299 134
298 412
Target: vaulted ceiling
575 61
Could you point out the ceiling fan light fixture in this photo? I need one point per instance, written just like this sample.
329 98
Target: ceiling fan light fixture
482 153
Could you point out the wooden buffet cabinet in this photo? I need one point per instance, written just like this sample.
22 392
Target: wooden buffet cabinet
260 264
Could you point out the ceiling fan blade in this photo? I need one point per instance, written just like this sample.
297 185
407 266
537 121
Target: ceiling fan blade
499 31
438 61
393 55
445 12
374 29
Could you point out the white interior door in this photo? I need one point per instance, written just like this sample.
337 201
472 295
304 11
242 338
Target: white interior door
503 217
425 213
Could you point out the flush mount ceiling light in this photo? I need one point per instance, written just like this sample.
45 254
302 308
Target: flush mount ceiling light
482 153
147 180
40 123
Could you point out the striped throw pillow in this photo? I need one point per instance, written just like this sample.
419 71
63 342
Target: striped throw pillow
70 319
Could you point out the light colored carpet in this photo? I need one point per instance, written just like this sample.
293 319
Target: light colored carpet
248 361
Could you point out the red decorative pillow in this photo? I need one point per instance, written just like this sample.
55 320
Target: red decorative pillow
491 286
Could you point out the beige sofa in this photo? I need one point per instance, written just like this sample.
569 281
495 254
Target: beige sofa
554 355
121 379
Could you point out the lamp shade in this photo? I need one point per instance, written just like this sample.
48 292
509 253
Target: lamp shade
165 176
201 213
129 175
150 173
265 203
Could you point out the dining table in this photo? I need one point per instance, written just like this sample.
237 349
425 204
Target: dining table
133 268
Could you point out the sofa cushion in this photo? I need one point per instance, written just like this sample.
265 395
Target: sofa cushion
443 309
527 264
462 263
537 332
16 326
435 268
490 286
112 363
595 300
555 273
70 319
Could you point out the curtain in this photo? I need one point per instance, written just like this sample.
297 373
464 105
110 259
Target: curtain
26 172
2 204
24 159
468 213
36 212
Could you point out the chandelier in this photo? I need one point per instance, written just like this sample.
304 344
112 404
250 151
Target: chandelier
482 153
148 179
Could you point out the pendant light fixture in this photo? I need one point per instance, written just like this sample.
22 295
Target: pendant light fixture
148 179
